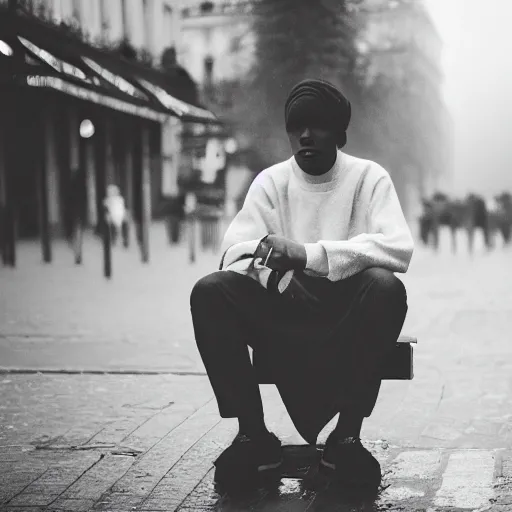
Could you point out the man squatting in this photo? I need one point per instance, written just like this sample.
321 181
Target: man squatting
307 278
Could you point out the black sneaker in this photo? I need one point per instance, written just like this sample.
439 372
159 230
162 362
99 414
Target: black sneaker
249 462
348 462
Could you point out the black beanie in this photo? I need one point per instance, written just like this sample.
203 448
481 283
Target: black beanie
318 101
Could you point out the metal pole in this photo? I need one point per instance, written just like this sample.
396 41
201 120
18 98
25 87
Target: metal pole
104 223
10 235
128 184
78 186
7 189
3 200
43 186
191 215
107 248
192 237
145 194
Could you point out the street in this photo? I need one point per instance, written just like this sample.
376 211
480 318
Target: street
104 404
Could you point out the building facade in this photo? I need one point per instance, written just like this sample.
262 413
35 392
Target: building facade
405 48
149 25
217 43
217 49
109 65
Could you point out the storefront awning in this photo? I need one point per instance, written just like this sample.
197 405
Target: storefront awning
57 83
42 56
182 109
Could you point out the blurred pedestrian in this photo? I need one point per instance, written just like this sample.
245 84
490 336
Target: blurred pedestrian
307 279
116 214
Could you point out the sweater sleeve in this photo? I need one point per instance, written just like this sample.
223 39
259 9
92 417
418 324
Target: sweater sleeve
257 217
387 242
254 221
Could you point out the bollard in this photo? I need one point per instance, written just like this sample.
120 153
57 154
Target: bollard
8 237
78 237
190 216
173 224
107 251
145 194
216 234
3 233
11 237
125 233
203 227
192 238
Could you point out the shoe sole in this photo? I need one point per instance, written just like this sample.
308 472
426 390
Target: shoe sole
327 465
329 471
264 476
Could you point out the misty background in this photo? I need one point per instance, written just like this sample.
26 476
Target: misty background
478 81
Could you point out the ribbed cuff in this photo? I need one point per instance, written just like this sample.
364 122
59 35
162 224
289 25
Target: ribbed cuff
316 259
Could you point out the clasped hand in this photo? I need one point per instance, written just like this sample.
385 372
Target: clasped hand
281 254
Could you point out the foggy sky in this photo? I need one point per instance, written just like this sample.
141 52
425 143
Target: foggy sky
477 64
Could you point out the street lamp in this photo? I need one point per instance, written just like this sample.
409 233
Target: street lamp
86 129
230 146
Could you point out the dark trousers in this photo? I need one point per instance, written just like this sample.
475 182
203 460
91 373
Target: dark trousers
327 355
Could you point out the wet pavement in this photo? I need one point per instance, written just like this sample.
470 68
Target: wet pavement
71 441
122 443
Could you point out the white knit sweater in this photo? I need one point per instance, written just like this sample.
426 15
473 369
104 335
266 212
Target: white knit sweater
348 219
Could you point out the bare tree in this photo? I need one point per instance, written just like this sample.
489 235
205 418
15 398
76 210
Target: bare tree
397 113
295 39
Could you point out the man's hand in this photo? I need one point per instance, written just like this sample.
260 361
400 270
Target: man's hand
281 254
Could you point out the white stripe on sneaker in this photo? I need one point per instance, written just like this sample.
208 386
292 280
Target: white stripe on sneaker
265 467
467 480
328 464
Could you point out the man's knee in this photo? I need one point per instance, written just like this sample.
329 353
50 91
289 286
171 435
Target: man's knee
385 284
206 288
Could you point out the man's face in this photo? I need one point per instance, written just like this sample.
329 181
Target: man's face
314 148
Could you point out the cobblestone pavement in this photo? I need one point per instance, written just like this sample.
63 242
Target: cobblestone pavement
123 443
146 442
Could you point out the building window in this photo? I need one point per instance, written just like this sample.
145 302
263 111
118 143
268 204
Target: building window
206 7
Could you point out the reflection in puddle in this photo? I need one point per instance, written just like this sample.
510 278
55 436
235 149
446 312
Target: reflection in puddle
399 494
290 486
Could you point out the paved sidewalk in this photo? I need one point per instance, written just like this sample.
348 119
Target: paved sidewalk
146 442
